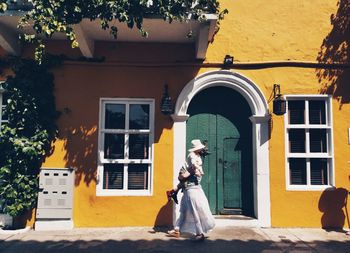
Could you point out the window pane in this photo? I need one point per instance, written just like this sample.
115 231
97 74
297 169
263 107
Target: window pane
296 110
138 176
113 175
318 140
317 112
297 171
297 140
114 146
319 171
139 116
5 97
115 116
4 114
138 146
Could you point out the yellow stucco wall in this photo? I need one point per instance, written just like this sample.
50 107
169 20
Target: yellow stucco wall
78 90
253 31
263 31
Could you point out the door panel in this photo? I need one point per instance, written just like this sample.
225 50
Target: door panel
232 175
225 130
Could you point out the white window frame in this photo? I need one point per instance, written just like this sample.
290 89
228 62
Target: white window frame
101 160
2 90
329 155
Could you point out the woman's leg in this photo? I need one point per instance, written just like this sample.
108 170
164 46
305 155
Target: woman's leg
181 219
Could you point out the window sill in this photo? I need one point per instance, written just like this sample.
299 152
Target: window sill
124 193
309 187
309 155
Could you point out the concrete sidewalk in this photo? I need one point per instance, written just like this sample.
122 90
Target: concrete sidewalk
143 239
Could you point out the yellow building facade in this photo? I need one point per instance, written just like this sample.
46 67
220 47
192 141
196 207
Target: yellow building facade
298 164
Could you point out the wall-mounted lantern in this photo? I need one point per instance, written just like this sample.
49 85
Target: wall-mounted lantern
228 61
279 103
166 106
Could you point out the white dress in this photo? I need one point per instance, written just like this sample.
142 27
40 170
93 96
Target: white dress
195 215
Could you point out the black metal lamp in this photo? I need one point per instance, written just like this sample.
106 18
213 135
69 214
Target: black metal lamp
228 60
166 106
279 103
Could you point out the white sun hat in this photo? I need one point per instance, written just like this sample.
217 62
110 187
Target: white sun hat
196 145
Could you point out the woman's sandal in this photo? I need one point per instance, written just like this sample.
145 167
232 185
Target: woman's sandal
199 237
174 233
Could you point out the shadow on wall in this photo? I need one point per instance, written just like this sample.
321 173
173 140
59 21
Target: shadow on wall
333 204
162 220
336 48
81 145
81 152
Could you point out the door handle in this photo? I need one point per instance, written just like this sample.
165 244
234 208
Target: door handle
221 161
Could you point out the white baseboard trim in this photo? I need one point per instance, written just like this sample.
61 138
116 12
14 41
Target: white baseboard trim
54 225
249 223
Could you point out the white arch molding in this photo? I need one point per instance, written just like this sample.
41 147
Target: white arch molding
260 136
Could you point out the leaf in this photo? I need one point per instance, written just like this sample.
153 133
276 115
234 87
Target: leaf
77 9
75 44
3 7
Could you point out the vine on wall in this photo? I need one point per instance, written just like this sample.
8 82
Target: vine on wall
27 137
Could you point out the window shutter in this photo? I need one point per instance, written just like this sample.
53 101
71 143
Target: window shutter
297 140
319 171
137 176
318 140
317 112
296 111
297 168
113 176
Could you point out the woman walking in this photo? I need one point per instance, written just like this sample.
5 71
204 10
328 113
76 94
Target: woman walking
195 215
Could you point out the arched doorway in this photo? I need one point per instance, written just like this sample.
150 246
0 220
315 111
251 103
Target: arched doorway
219 117
259 118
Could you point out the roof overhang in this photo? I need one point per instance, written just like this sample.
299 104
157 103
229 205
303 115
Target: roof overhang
88 32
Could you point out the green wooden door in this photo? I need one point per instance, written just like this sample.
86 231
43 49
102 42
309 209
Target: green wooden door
226 133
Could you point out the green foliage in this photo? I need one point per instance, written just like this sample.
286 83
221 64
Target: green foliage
26 139
48 17
3 6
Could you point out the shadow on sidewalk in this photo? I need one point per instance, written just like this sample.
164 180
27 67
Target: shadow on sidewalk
170 246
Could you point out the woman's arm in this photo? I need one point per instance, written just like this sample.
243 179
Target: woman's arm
185 173
196 162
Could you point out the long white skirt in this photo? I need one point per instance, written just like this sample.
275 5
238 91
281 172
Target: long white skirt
195 215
